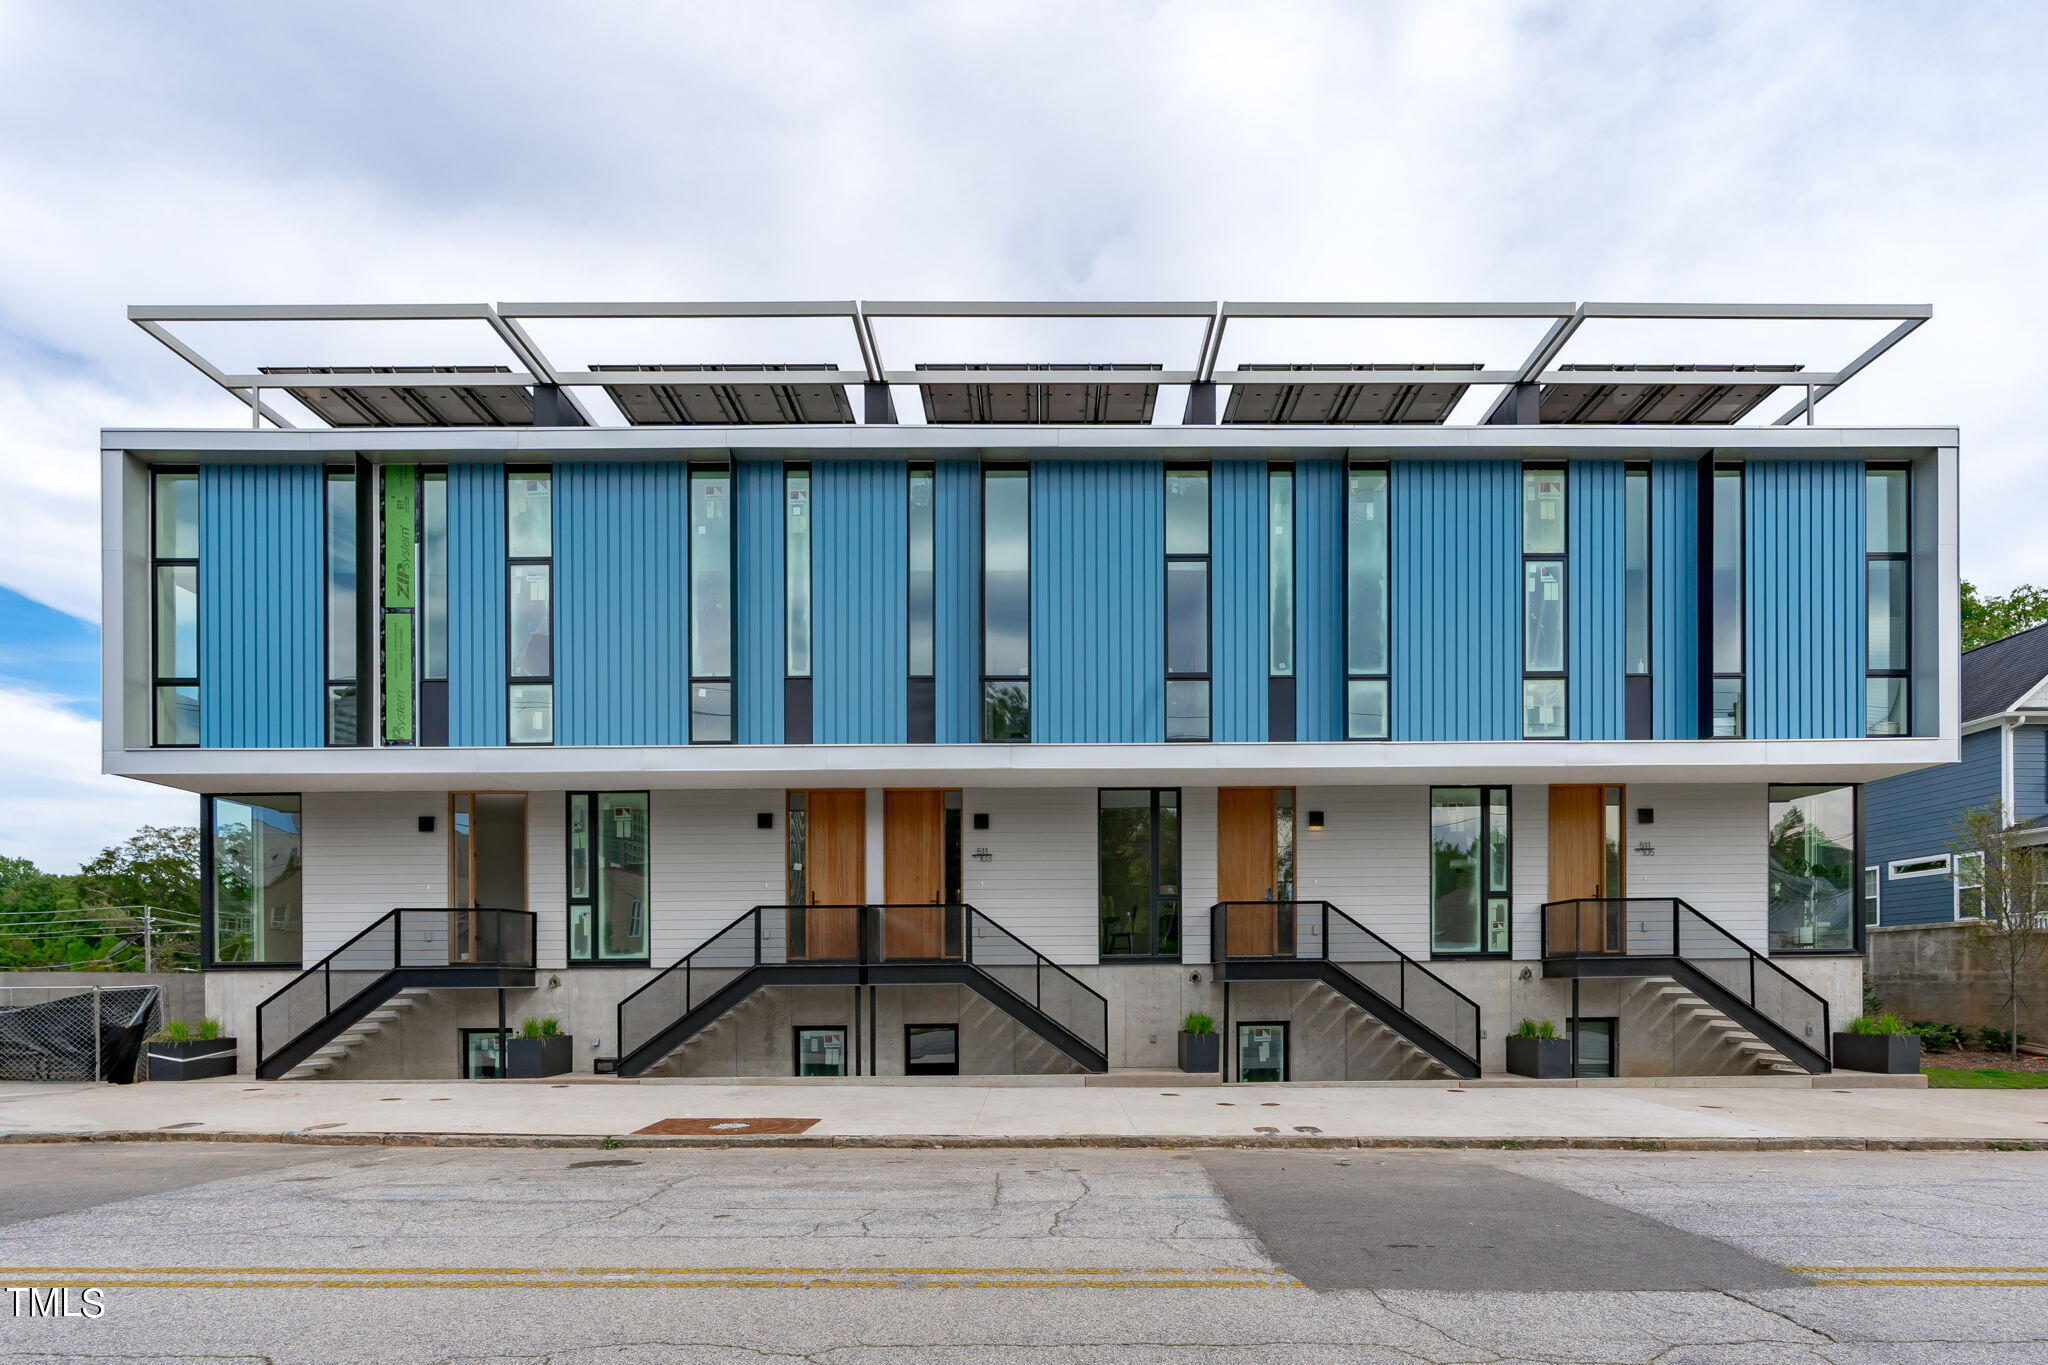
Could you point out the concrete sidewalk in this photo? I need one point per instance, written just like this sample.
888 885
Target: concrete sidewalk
1422 1115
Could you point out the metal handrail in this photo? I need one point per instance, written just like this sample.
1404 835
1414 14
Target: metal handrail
399 956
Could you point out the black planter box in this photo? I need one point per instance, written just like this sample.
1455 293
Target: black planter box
1546 1059
529 1059
1201 1052
1894 1054
197 1059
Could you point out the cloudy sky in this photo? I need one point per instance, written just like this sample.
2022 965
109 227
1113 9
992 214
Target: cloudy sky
358 152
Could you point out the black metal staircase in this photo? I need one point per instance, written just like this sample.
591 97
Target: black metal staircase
1664 936
408 949
1315 941
824 945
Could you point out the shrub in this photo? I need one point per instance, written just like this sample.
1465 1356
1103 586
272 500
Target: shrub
1938 1037
1881 1024
1533 1028
178 1031
209 1029
1198 1022
545 1027
1999 1040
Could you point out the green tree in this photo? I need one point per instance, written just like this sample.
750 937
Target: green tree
1987 618
156 866
2002 888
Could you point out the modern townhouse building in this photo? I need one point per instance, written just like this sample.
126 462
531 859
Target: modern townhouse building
1911 875
835 719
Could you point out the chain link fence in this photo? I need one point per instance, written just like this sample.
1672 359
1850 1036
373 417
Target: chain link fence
59 1033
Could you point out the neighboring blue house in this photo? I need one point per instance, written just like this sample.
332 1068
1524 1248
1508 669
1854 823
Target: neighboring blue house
1909 872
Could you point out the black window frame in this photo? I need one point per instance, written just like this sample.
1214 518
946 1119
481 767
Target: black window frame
1153 919
1483 870
430 692
158 562
910 1069
336 712
514 680
571 902
1713 471
462 1037
1871 559
921 688
1639 685
1282 689
207 908
1561 675
981 601
1385 676
1205 676
796 1046
732 551
1612 1022
1237 1049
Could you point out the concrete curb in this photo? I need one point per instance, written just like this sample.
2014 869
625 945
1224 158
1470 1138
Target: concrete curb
1292 1141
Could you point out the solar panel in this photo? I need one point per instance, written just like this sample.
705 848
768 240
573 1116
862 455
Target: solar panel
1069 403
433 405
1652 404
1338 404
710 403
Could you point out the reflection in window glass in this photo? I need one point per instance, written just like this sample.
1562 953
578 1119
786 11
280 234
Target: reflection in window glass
710 573
1469 866
1884 706
529 515
1138 879
1187 616
1727 604
796 549
1543 708
821 1052
1543 616
1812 856
1635 558
177 621
177 715
434 574
257 897
608 836
1187 511
1889 587
1006 604
923 552
1366 571
177 514
1887 524
1365 708
1187 708
531 622
711 713
531 713
1280 571
1543 511
1261 1052
1006 712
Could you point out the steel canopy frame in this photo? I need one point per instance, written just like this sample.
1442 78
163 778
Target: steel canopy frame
505 321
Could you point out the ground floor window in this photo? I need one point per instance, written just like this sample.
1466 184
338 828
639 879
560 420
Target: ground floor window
608 834
1262 1052
1138 883
821 1051
483 1054
1812 862
254 895
1593 1048
1469 866
931 1050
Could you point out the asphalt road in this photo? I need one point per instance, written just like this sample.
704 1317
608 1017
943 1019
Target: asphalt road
251 1253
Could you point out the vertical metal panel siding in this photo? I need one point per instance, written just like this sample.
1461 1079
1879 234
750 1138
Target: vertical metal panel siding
956 604
622 661
759 601
476 604
1804 558
1319 599
1238 604
1597 625
1457 665
861 590
1675 662
1098 610
261 675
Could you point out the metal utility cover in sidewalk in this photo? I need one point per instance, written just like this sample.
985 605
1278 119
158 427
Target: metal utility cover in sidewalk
722 1127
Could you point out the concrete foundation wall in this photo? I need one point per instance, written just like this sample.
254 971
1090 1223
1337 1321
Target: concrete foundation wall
1936 971
184 992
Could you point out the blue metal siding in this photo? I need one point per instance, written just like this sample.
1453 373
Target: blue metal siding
1318 600
1597 607
1805 598
956 607
1675 599
1457 538
1913 816
1098 628
622 662
860 590
1237 599
2029 772
476 604
262 681
759 598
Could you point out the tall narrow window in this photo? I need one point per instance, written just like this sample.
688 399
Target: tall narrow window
1543 614
608 836
174 627
711 604
1725 702
433 608
1888 592
1640 703
796 603
923 585
1138 877
339 516
1006 604
1187 603
530 620
1280 697
1468 870
1811 869
252 893
1366 589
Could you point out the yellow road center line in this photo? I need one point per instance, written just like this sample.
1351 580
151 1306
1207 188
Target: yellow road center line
1978 1283
1921 1269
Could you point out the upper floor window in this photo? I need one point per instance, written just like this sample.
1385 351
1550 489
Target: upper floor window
796 570
433 609
1468 870
923 603
530 618
343 716
1888 598
1725 698
1366 601
711 549
1543 603
174 625
1006 604
1639 699
1187 603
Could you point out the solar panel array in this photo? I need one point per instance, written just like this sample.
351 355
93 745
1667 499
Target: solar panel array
1063 402
458 404
706 402
1652 404
1343 404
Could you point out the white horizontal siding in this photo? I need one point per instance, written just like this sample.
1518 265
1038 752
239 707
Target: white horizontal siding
1197 870
547 875
365 857
1370 859
1528 866
711 864
1707 847
1039 881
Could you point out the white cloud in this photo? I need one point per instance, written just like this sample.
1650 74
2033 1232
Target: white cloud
55 806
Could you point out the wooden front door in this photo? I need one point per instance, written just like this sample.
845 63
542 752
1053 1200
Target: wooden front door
914 874
1247 870
833 859
1579 869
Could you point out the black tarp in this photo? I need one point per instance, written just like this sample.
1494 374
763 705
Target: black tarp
52 1041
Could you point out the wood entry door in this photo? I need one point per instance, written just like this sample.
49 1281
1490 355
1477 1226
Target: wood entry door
914 874
1579 870
833 857
1248 869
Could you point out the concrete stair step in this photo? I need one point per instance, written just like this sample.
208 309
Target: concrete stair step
1139 1078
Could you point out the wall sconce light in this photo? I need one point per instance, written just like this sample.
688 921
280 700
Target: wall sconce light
981 819
1645 816
426 824
765 820
1315 819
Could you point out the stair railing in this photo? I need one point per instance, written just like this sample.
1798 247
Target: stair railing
1030 975
404 939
